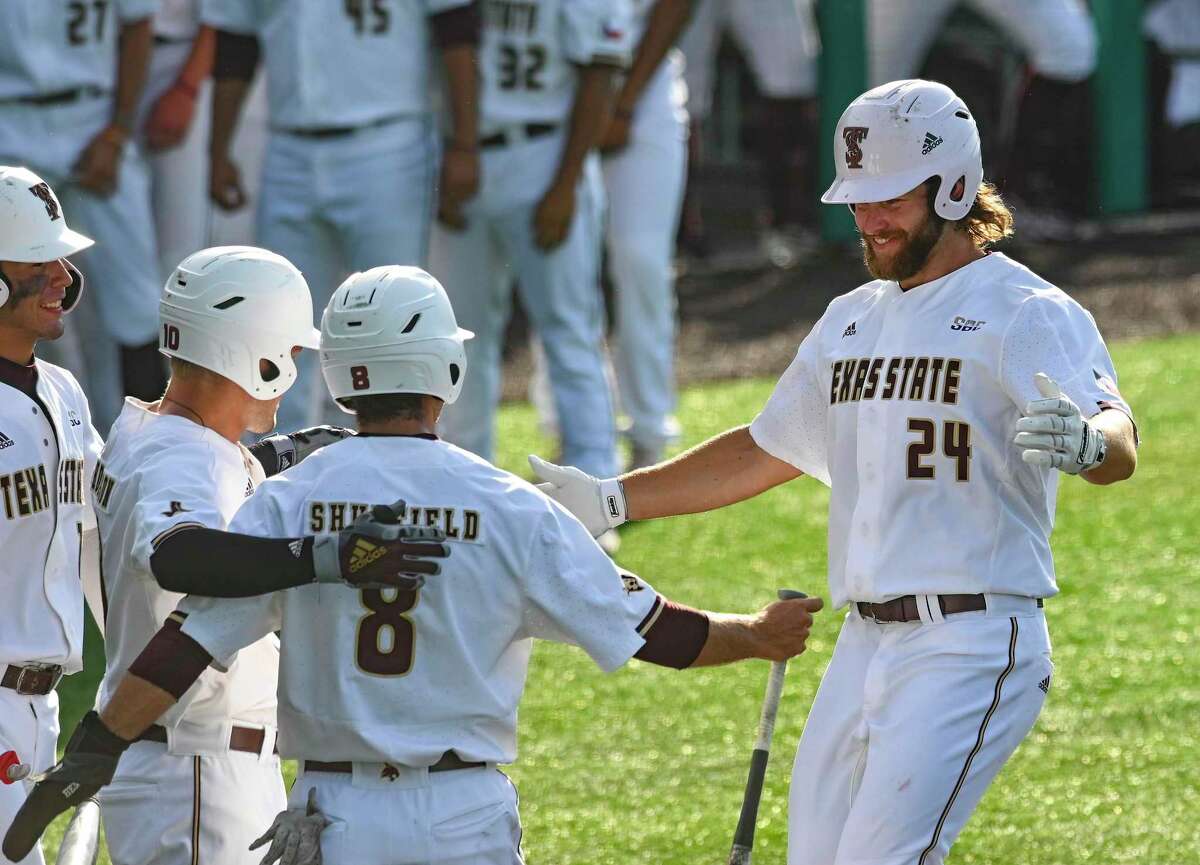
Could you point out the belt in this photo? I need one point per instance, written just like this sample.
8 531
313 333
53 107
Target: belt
503 139
248 739
448 763
319 132
59 97
31 679
905 609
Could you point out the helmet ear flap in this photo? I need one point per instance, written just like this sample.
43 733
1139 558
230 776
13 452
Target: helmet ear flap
74 290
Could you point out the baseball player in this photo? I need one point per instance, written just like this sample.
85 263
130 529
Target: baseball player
546 69
349 174
939 402
645 167
71 76
778 39
198 787
400 704
173 126
48 448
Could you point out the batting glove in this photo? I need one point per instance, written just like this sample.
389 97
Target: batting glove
598 504
295 835
279 452
1054 434
379 551
87 765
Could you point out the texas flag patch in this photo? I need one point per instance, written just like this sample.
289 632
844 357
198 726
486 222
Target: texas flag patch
612 31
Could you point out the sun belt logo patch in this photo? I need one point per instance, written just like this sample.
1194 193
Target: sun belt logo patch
365 553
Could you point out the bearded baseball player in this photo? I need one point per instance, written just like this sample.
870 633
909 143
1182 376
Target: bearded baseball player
939 402
201 786
400 704
48 448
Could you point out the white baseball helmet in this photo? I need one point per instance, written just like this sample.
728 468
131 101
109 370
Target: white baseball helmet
33 229
228 307
892 139
392 330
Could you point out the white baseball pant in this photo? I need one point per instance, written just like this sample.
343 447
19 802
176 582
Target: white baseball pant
413 817
170 809
29 726
559 291
911 723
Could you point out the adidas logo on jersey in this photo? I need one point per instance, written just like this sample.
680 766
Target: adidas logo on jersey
365 553
849 331
1045 685
931 141
5 441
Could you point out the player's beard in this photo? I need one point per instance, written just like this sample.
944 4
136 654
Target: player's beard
912 254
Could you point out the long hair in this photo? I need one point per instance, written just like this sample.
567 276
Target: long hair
988 221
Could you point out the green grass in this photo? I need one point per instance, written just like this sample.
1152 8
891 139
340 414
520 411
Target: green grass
648 765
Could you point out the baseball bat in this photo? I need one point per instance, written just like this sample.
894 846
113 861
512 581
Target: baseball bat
743 836
81 842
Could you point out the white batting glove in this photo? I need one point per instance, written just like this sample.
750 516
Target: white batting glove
598 504
295 835
1054 434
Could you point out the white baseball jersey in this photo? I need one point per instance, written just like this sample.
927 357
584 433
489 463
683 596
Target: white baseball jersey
47 46
177 19
529 51
338 63
906 402
48 450
405 676
157 475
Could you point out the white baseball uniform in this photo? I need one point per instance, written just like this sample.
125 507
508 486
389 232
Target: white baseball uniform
778 38
352 152
528 56
48 451
179 174
390 681
905 404
644 184
1057 35
1175 26
198 796
58 66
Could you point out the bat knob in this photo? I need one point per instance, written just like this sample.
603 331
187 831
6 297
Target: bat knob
12 769
790 594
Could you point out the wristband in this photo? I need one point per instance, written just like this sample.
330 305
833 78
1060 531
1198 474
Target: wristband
612 496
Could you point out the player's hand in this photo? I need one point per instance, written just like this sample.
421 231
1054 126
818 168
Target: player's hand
616 134
295 835
171 116
782 628
279 452
1054 434
552 219
598 504
379 551
458 185
99 165
87 765
225 184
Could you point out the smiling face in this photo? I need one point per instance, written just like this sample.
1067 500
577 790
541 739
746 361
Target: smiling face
898 235
36 291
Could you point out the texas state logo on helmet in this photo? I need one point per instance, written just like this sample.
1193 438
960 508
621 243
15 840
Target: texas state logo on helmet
228 308
33 228
893 138
392 330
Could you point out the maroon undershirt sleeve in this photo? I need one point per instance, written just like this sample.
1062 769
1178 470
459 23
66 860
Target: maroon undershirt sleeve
676 637
171 660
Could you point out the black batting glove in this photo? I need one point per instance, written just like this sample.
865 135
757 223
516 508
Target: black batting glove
87 765
279 452
379 551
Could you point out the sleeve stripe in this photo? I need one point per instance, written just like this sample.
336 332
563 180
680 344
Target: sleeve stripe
178 527
651 617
